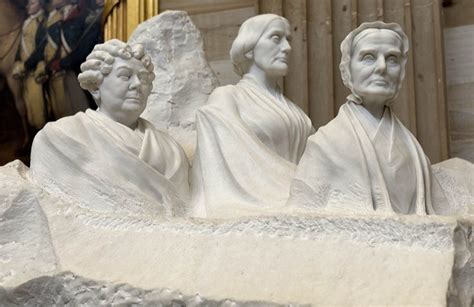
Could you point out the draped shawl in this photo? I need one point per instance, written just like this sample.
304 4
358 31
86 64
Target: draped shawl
248 144
108 167
356 165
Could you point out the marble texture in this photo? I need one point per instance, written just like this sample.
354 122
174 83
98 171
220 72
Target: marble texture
455 195
461 285
311 259
183 80
26 249
55 250
71 290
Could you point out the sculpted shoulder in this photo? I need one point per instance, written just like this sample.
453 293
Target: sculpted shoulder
58 136
339 127
223 98
162 133
65 124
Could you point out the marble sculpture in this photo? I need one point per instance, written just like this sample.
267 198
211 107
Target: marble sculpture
249 136
112 160
365 160
89 223
183 77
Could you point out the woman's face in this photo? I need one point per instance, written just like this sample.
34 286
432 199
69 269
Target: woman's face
271 53
124 92
376 66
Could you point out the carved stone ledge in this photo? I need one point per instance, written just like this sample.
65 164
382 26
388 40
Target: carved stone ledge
322 260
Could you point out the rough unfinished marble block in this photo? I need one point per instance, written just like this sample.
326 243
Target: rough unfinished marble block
183 80
318 260
456 179
26 249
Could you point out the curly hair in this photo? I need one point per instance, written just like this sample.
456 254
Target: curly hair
99 63
249 34
353 37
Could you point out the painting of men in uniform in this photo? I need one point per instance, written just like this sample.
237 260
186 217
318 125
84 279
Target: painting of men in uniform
54 38
29 54
67 34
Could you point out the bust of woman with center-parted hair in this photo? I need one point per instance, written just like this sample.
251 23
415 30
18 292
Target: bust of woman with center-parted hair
112 160
249 136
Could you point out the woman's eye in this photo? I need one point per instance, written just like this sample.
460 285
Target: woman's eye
368 58
276 38
124 77
392 59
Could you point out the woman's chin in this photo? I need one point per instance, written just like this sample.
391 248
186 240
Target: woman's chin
277 73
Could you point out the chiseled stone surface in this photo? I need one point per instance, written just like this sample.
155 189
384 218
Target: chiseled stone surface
461 287
319 260
26 250
72 290
183 80
456 179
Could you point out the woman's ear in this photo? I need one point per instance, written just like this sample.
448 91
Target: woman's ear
249 55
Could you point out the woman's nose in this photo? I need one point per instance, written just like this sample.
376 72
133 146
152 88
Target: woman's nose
135 83
286 47
380 65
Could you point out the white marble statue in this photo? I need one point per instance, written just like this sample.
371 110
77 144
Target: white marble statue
365 160
106 245
249 136
112 160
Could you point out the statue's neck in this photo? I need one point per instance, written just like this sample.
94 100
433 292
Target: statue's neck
376 108
263 80
127 121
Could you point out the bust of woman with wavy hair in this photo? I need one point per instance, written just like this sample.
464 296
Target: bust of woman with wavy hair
112 160
249 136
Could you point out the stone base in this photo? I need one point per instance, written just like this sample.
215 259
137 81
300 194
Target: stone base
320 260
26 249
68 289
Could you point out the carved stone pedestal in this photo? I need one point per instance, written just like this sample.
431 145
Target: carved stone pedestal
319 260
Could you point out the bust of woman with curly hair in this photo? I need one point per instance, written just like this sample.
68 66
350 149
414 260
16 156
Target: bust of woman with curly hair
112 160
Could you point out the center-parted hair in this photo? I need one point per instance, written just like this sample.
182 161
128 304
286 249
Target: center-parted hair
249 34
348 45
